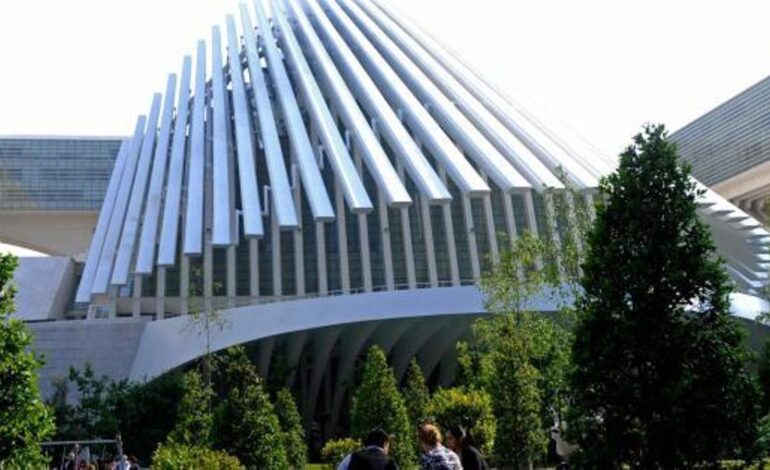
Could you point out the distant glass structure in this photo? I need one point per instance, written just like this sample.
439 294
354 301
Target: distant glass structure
729 149
55 173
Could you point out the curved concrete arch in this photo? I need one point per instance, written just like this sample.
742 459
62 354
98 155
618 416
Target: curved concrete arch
171 343
429 358
412 342
322 351
295 348
350 348
174 342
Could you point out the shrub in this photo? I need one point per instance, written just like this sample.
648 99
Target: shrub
471 409
176 456
336 449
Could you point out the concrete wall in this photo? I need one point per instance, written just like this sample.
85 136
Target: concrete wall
50 232
108 345
45 287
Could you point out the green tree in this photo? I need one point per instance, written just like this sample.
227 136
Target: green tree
509 289
416 398
763 374
291 426
660 370
245 424
194 418
416 395
471 409
517 403
519 356
25 420
377 403
146 412
143 413
92 417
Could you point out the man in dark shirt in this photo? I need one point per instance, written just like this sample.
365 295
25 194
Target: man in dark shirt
374 455
459 441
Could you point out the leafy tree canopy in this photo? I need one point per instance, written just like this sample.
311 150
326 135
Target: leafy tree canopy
291 426
245 424
416 395
660 371
377 403
471 409
25 421
194 417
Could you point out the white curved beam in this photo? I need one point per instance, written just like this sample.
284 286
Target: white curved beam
149 235
167 249
377 106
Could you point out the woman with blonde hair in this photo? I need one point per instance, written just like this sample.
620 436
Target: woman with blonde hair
434 455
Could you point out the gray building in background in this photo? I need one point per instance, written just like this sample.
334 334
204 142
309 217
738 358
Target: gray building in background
51 190
55 173
729 148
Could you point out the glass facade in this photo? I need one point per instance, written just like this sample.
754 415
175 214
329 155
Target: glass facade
55 173
731 138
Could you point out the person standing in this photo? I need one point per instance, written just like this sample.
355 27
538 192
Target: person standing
460 442
374 455
435 456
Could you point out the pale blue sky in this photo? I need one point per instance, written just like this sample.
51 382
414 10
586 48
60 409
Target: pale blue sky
603 67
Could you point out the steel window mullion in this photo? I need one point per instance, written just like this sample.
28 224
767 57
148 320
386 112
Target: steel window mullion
275 248
254 269
160 294
406 231
387 251
510 219
363 235
472 245
342 239
323 275
489 217
454 267
299 261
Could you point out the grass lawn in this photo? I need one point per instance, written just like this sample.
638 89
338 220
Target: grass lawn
319 466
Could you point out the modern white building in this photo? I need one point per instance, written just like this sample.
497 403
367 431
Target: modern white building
326 176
